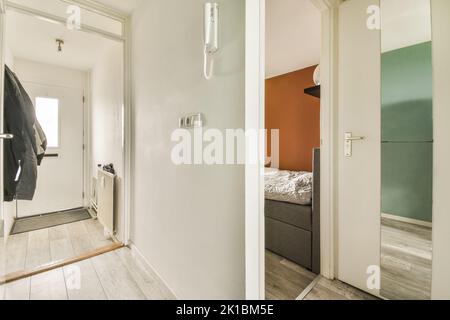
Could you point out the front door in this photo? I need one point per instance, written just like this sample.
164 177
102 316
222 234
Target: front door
60 176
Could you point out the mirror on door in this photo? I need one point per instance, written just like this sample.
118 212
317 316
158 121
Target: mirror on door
406 150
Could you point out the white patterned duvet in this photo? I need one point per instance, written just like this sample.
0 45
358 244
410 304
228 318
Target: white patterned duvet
289 186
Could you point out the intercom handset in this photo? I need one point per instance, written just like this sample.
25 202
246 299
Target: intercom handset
211 36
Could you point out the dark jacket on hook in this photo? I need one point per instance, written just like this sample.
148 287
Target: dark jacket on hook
22 152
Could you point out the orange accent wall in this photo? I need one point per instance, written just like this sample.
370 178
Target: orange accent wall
296 115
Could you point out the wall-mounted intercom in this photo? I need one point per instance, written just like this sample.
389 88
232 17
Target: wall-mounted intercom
211 37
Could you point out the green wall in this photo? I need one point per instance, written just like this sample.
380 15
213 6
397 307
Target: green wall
407 132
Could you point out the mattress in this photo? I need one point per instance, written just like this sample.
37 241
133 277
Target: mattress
289 186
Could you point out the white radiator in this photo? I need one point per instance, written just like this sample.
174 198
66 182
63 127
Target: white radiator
94 198
105 200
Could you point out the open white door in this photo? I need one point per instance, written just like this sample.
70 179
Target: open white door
359 173
3 136
441 201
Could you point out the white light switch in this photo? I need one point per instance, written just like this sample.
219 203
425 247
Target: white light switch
191 121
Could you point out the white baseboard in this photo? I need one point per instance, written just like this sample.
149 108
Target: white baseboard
407 220
137 254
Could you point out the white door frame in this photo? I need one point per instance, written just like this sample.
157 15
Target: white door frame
255 97
2 79
125 38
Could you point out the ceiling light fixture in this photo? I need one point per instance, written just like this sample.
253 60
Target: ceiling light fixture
60 44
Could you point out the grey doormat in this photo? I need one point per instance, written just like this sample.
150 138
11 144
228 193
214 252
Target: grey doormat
23 225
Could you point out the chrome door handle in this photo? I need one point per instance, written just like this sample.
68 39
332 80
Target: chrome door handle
354 138
349 139
6 136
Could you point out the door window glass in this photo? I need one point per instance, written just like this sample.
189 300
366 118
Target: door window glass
47 113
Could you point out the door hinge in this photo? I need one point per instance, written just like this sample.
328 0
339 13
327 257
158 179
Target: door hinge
84 99
82 194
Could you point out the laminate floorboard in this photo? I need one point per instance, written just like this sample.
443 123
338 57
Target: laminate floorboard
285 280
36 248
117 275
406 261
336 290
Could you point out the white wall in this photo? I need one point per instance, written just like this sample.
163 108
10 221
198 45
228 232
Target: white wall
46 74
293 36
106 120
441 102
188 221
9 58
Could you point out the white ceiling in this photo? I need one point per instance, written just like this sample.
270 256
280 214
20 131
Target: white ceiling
33 39
405 23
123 5
293 36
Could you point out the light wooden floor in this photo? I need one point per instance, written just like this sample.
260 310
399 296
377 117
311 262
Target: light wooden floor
113 276
336 290
406 261
285 280
33 249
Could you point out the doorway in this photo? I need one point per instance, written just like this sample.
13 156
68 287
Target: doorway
292 166
73 77
255 111
353 243
60 111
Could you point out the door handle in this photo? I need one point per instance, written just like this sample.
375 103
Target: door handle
6 136
349 139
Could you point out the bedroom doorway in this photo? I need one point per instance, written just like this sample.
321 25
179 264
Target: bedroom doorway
255 115
292 166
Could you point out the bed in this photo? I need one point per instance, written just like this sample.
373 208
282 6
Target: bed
292 214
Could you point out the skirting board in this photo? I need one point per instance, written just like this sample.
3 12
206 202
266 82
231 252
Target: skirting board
137 254
407 220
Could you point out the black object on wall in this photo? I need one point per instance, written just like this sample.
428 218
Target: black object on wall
313 91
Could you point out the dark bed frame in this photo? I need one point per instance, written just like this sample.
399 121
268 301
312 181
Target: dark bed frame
293 231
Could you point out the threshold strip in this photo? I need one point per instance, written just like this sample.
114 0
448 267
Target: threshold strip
15 276
309 288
